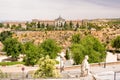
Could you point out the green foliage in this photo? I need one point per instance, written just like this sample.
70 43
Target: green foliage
7 26
38 25
10 63
4 35
78 52
46 68
67 56
13 26
76 38
91 25
32 53
116 42
42 25
71 24
114 22
13 48
19 27
77 26
1 25
50 27
50 48
88 46
31 26
66 26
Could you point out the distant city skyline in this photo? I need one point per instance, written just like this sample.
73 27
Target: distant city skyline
21 10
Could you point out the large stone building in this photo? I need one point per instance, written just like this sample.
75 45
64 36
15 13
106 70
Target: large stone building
11 23
57 22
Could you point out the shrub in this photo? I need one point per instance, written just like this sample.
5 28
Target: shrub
46 68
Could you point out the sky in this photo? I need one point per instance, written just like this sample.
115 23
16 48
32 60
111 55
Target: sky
52 9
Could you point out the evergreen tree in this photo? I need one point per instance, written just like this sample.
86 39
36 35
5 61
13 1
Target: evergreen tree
1 25
38 25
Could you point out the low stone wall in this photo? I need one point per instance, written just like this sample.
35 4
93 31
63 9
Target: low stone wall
94 65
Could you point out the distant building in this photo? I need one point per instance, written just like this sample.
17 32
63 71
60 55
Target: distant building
59 22
16 23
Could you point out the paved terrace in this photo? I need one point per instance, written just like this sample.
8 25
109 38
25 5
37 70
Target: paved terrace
101 72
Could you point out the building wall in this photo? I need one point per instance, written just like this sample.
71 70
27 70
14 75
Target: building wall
23 24
50 22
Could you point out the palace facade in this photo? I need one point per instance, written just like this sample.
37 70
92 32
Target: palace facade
57 22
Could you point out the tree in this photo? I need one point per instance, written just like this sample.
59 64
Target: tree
4 35
94 48
13 26
46 68
7 26
88 46
50 27
1 25
13 48
77 26
116 42
47 26
27 25
19 27
38 25
78 52
76 38
71 25
32 52
31 26
50 48
42 25
67 56
65 25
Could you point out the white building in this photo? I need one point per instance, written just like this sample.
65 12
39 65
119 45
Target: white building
59 22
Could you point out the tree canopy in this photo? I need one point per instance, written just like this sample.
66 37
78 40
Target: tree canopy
4 35
116 42
32 53
88 46
13 48
76 38
50 48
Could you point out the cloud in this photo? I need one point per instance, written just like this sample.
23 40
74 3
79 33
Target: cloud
106 3
51 9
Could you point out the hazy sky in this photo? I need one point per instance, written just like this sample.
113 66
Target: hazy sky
51 9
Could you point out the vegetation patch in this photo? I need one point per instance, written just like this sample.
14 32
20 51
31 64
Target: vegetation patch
10 63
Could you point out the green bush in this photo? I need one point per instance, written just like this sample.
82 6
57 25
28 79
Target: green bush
47 68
